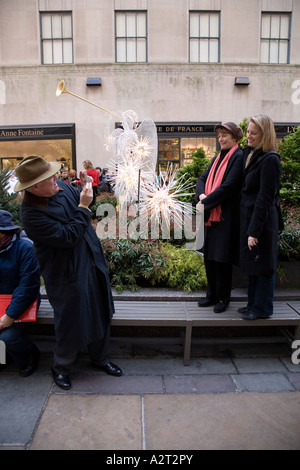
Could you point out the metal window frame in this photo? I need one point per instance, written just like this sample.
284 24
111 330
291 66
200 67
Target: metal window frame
126 37
52 39
209 12
269 39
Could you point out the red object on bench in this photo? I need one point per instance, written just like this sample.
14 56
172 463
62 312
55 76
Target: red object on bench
28 316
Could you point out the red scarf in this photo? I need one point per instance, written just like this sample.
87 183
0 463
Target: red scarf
213 183
6 240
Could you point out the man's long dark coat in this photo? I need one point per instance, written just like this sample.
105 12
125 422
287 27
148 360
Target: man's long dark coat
221 237
72 265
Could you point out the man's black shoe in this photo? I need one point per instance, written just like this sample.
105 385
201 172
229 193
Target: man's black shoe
206 303
110 369
30 368
62 381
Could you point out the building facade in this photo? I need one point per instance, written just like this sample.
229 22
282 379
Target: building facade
186 64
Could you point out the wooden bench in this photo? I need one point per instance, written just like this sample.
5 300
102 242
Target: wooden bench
187 316
286 314
142 314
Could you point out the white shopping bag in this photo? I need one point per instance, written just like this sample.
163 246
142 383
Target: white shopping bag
200 221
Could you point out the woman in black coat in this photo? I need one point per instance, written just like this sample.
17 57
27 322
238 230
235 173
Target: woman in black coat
259 217
217 189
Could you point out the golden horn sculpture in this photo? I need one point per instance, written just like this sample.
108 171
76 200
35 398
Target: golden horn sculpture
62 89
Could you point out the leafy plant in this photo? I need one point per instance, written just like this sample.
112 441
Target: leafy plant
9 202
192 171
131 263
183 269
289 150
289 238
243 125
104 198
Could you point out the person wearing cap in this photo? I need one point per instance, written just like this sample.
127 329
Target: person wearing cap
259 217
19 277
56 216
218 189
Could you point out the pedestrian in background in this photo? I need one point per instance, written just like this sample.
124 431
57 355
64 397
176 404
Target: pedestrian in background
93 173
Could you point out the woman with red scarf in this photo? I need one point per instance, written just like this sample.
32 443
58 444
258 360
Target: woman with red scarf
218 190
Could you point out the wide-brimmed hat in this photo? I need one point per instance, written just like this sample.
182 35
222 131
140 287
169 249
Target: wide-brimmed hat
233 128
6 221
32 170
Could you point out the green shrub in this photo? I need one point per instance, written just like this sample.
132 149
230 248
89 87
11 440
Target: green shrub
9 202
104 198
289 238
192 171
289 151
131 263
183 270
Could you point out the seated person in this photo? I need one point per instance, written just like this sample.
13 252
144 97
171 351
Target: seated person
19 276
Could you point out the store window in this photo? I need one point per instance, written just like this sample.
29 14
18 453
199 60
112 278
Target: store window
168 153
52 143
177 142
179 151
131 36
56 38
191 144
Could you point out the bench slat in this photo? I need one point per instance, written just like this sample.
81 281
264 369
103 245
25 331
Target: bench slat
283 313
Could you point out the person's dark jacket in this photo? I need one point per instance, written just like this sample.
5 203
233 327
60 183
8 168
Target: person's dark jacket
259 213
19 275
221 237
72 264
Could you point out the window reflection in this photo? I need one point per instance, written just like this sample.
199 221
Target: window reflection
179 151
190 145
12 152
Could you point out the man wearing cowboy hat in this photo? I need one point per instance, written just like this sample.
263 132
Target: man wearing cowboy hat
19 277
56 216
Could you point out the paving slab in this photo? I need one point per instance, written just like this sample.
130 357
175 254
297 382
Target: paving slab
223 422
295 380
22 401
170 366
104 384
199 384
258 364
90 422
263 383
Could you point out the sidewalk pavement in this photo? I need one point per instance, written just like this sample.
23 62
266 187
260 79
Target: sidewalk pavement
231 397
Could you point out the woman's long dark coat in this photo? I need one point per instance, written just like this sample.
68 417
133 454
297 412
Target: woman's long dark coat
72 264
259 213
221 237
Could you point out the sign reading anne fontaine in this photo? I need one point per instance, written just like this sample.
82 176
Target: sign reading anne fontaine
21 133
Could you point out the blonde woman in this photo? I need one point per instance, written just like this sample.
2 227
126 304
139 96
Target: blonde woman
259 219
91 171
